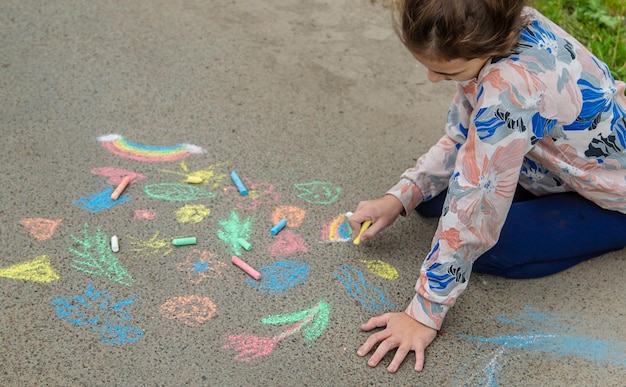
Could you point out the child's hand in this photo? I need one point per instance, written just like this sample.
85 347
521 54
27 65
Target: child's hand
402 332
382 212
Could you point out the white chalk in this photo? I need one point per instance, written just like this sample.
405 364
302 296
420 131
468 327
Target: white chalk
115 245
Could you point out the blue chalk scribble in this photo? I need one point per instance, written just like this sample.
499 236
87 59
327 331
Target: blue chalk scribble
280 276
550 333
100 201
371 298
97 310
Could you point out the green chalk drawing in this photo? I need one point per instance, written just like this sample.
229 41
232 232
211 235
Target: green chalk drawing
177 192
311 322
95 257
233 229
318 192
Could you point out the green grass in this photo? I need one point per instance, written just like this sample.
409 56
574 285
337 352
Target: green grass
598 24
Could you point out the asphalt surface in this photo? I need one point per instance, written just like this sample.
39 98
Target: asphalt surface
316 105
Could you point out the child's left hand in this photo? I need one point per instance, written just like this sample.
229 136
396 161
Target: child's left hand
402 332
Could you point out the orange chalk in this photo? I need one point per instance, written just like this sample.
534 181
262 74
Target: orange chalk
120 188
245 267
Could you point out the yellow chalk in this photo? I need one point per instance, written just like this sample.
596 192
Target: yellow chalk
194 179
364 226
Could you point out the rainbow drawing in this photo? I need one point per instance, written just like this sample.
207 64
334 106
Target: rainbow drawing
119 146
337 230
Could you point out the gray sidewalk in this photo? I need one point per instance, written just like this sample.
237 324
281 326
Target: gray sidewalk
317 106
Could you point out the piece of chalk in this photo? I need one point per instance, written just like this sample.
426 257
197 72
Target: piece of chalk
349 214
244 243
115 244
242 188
120 188
194 179
184 241
364 226
245 267
278 226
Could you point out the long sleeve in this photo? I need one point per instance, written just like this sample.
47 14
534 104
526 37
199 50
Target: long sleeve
550 116
484 177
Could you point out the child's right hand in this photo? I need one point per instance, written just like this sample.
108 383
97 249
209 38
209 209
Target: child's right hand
382 212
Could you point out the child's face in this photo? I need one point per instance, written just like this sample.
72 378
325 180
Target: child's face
453 70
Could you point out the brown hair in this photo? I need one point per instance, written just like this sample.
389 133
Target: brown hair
459 29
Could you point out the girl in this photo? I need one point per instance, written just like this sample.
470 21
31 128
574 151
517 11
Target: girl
532 107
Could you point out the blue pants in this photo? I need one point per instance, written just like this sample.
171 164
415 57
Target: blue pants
547 234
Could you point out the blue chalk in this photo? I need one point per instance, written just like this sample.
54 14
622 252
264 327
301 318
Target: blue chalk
278 226
242 188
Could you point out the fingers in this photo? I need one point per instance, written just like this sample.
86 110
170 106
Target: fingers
375 322
371 343
398 358
419 360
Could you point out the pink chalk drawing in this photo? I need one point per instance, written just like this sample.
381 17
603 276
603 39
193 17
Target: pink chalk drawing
287 243
41 228
201 265
190 310
311 322
144 214
294 215
209 176
115 175
258 194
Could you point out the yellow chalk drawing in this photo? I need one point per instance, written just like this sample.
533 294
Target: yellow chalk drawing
209 176
192 213
41 228
37 270
152 246
381 269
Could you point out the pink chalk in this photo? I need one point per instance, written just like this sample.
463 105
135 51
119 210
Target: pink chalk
245 267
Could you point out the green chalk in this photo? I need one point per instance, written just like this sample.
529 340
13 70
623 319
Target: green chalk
184 241
244 243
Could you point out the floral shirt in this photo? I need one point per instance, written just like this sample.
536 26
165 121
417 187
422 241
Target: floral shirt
550 117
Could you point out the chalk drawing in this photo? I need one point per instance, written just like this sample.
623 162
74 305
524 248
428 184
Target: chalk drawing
152 246
98 311
370 297
190 310
318 192
94 256
209 176
381 269
115 175
41 228
294 215
177 192
119 146
233 229
191 213
36 270
201 265
310 322
337 230
258 194
100 201
144 214
280 276
556 334
287 242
